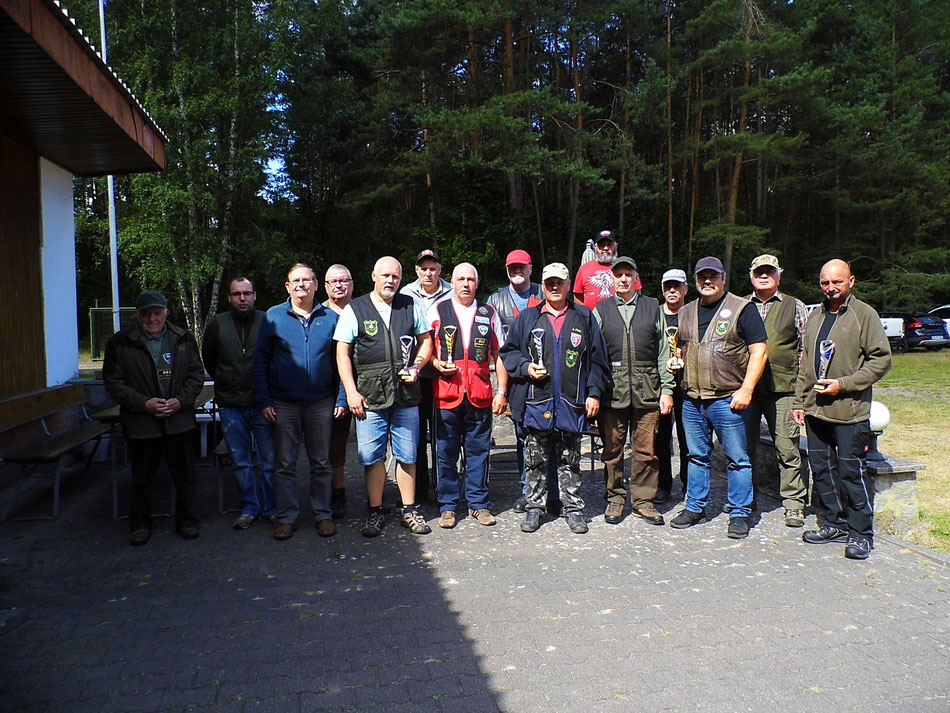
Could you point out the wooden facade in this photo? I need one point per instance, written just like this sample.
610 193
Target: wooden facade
22 345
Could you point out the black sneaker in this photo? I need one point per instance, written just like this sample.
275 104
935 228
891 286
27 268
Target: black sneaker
139 537
521 505
686 518
858 548
373 525
189 530
825 535
338 503
575 521
532 521
738 528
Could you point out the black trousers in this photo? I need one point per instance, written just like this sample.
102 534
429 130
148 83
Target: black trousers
146 456
843 487
426 432
664 444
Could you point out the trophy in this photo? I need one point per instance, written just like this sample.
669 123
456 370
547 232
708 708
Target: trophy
405 345
449 345
825 351
675 362
537 341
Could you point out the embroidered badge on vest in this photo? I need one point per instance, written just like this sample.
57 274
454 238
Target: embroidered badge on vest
575 338
722 326
570 358
167 356
481 349
370 326
482 329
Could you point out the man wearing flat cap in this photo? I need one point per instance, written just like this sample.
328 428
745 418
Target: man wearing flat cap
557 363
152 369
635 332
724 352
426 291
784 318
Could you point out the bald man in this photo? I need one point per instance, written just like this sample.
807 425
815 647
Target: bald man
845 353
382 341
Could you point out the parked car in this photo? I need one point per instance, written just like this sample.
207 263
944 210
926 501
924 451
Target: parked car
942 312
919 331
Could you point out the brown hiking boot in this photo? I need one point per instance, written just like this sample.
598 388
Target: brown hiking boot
648 513
614 513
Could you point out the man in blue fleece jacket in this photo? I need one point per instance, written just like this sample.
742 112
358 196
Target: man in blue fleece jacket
296 387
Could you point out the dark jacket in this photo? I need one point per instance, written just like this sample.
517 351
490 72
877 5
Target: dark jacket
228 351
293 362
503 303
131 379
861 357
593 376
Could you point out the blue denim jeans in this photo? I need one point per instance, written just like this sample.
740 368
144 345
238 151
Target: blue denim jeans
701 417
468 426
245 431
314 422
398 424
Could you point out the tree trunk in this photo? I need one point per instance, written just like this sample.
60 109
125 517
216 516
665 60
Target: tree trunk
669 133
425 144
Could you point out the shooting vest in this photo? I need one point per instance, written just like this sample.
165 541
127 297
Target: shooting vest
472 377
716 361
378 355
633 352
781 371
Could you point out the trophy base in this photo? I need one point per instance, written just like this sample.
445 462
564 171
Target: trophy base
820 387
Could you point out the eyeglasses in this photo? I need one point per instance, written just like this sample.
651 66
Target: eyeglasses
339 282
246 293
301 281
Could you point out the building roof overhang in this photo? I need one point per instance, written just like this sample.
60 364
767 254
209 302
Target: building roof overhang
59 98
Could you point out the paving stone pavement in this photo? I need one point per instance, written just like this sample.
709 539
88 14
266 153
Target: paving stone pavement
629 617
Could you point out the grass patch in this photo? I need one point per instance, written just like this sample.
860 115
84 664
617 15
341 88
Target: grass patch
917 393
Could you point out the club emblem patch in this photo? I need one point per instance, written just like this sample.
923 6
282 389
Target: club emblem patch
570 358
370 326
575 339
722 326
167 356
725 312
482 329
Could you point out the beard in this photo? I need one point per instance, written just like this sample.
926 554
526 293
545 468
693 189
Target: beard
605 259
518 280
387 291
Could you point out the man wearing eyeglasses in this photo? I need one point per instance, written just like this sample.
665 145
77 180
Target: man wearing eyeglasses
296 387
228 351
338 282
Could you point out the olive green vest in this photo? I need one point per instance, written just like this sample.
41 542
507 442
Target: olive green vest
715 361
633 353
781 371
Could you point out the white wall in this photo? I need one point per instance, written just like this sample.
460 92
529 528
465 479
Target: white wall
58 256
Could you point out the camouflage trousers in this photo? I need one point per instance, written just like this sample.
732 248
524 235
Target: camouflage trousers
566 447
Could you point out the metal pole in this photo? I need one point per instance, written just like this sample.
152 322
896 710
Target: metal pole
110 186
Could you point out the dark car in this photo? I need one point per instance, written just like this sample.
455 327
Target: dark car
920 331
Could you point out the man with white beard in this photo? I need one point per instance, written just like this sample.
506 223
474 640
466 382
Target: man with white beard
519 293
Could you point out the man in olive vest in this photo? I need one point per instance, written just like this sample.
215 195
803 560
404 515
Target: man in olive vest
723 341
674 286
467 335
635 332
557 363
784 318
228 350
382 341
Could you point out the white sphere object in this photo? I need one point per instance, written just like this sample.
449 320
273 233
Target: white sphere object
880 417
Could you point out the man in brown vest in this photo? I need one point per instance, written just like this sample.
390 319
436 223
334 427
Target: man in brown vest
635 332
784 318
723 341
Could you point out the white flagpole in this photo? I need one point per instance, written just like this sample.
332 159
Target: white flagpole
110 185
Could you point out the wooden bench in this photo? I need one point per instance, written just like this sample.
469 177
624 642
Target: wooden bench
45 427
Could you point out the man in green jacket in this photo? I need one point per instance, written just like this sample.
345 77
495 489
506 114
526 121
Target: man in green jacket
152 369
846 352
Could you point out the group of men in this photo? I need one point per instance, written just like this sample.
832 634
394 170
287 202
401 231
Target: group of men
413 367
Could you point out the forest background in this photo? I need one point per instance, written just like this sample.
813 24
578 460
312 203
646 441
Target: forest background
327 131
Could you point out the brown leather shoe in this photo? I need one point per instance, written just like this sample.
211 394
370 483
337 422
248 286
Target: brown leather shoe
648 513
284 531
483 516
614 513
447 519
326 528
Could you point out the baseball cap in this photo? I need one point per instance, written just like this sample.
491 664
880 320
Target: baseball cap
765 260
606 235
674 275
709 263
427 254
555 269
149 299
517 257
624 261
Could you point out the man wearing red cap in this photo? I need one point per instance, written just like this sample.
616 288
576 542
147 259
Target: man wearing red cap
520 293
